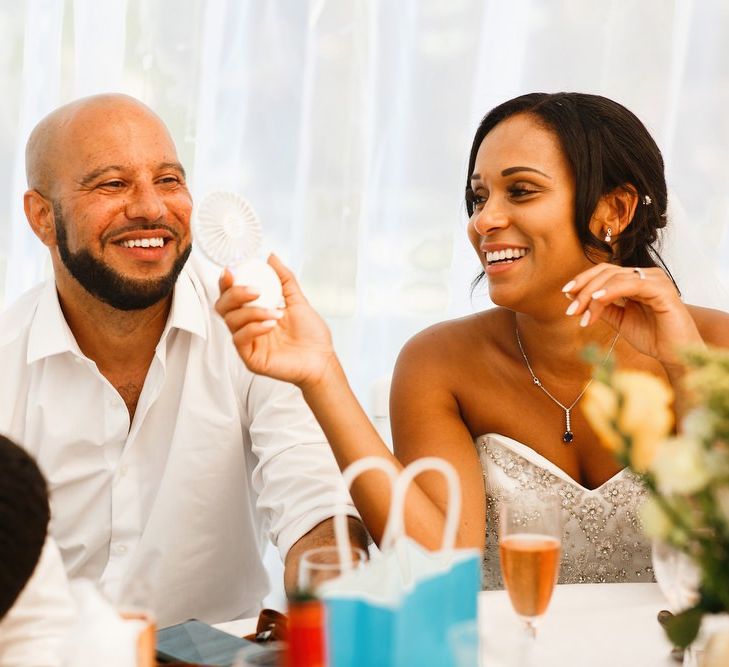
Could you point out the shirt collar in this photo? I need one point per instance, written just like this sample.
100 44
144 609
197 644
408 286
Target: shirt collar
187 311
50 333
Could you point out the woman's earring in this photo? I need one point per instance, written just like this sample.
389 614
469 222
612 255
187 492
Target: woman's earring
609 235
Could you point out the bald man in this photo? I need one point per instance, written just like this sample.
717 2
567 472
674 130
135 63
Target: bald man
169 463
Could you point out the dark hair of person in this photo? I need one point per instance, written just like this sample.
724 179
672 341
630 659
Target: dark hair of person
24 516
606 147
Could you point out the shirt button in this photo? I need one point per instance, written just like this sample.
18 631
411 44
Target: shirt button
78 360
123 470
121 548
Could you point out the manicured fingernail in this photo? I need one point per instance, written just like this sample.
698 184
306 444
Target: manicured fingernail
585 318
572 308
253 291
275 314
599 294
568 287
269 324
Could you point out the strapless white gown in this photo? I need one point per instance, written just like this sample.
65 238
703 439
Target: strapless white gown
602 539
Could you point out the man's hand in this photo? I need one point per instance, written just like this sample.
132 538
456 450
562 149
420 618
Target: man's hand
321 535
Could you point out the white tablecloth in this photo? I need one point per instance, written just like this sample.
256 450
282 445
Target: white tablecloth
595 625
239 628
610 625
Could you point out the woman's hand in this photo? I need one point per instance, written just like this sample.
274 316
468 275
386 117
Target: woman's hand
643 304
293 345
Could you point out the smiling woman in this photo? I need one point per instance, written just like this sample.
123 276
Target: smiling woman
565 194
605 147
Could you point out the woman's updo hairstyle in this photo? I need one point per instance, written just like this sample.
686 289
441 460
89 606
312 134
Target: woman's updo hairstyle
607 147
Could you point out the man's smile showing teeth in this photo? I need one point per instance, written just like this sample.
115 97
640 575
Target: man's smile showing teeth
144 243
506 255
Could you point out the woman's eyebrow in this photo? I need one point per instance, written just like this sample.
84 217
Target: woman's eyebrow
514 170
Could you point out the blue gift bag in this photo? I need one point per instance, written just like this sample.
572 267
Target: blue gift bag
397 609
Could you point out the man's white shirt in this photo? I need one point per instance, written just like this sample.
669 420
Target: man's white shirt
173 510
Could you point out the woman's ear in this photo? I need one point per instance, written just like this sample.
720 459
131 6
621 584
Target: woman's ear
39 212
614 212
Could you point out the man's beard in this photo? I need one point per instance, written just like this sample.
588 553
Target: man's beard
108 285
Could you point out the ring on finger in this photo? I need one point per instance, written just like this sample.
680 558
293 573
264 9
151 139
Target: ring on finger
640 272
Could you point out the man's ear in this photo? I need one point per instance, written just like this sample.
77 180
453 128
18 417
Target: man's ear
39 212
614 212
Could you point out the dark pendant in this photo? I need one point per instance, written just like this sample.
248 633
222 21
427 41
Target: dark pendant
568 437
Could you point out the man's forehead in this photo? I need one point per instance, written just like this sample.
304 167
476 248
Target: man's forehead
96 132
114 121
117 139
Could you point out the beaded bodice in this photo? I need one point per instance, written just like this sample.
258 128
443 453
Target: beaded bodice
602 539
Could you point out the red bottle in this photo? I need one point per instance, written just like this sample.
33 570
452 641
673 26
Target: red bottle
306 633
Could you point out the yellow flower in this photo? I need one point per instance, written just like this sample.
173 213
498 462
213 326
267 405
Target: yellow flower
600 407
643 414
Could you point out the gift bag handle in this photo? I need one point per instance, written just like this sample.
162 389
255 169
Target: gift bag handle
396 520
350 473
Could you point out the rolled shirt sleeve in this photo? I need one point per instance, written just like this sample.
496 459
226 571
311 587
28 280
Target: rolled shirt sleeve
297 479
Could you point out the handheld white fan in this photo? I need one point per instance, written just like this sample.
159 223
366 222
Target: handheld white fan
229 232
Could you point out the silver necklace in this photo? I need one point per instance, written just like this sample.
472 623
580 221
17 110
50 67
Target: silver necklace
567 436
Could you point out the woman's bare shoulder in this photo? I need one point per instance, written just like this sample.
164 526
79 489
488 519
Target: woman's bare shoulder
456 332
713 325
447 342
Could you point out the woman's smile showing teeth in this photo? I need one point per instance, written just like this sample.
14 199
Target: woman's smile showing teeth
506 255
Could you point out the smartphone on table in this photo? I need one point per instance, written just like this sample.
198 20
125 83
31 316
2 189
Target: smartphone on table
197 642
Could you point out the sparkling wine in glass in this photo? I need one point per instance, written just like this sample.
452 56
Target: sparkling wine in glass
530 537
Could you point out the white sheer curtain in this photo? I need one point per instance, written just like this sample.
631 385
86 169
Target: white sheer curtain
347 123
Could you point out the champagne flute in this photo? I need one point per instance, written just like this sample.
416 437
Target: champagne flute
530 538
